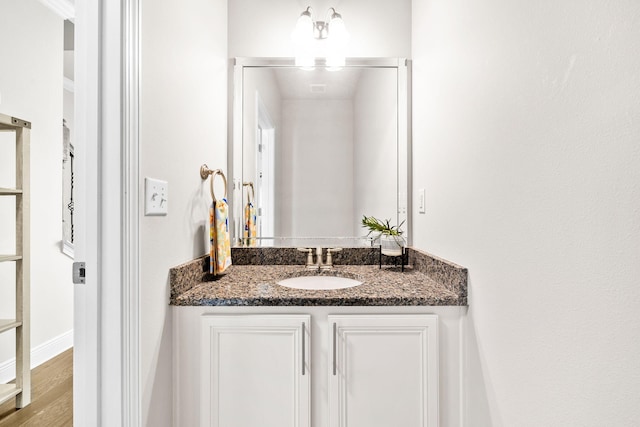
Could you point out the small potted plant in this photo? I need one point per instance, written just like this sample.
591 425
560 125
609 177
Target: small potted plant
390 237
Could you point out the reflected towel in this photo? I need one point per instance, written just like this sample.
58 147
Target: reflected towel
250 229
220 247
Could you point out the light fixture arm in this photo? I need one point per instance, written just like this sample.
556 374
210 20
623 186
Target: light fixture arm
320 30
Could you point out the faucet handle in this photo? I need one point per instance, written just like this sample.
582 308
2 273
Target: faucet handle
309 252
329 258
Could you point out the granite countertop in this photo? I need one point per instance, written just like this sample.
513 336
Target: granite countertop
248 283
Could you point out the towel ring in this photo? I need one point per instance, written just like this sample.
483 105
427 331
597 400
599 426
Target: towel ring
205 172
253 191
224 180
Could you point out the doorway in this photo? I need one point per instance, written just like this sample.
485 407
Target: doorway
101 313
265 173
37 85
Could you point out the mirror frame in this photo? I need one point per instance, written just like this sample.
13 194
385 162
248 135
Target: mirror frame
235 152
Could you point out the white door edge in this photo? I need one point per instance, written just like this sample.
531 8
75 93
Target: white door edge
106 312
86 384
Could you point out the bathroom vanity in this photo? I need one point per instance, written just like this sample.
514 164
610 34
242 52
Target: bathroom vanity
250 352
312 151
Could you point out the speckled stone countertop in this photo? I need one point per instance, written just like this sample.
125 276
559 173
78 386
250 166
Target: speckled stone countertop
429 281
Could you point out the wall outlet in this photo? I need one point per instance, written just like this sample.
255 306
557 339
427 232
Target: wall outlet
422 201
156 197
402 203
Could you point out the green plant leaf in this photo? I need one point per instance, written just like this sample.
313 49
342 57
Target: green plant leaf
376 226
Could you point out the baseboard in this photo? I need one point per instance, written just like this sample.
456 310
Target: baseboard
39 355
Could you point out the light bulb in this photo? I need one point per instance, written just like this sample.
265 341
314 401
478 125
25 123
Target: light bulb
337 30
304 28
338 37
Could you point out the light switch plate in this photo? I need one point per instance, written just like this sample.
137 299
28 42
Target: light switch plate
422 201
156 197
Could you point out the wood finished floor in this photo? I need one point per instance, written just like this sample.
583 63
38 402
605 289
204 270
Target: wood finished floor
51 396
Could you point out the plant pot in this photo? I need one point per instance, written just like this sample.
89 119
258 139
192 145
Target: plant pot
391 245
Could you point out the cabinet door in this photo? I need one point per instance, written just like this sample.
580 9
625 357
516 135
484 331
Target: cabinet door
383 371
255 371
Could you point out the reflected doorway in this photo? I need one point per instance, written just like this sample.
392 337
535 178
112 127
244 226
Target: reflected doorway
266 141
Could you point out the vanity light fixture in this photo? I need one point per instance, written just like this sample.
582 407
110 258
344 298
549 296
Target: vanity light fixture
320 39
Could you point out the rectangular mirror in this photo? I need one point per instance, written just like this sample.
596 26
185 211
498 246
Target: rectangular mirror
315 150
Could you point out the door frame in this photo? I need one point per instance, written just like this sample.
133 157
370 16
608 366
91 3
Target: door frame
106 307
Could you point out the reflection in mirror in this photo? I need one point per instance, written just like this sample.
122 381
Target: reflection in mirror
68 128
67 191
319 149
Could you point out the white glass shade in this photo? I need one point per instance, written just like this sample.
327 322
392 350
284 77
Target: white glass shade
303 32
337 31
338 37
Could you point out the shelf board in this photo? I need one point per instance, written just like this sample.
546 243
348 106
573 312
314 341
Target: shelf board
7 391
9 191
4 258
7 324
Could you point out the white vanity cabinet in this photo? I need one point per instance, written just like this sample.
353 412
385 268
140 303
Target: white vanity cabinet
254 371
316 366
384 370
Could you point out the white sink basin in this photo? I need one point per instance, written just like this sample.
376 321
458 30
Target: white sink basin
319 282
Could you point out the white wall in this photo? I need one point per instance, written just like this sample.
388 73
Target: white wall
316 201
526 137
183 125
375 153
31 89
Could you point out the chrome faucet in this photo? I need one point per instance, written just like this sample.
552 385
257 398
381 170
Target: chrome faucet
318 264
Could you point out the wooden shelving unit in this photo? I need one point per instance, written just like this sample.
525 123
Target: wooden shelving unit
21 389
